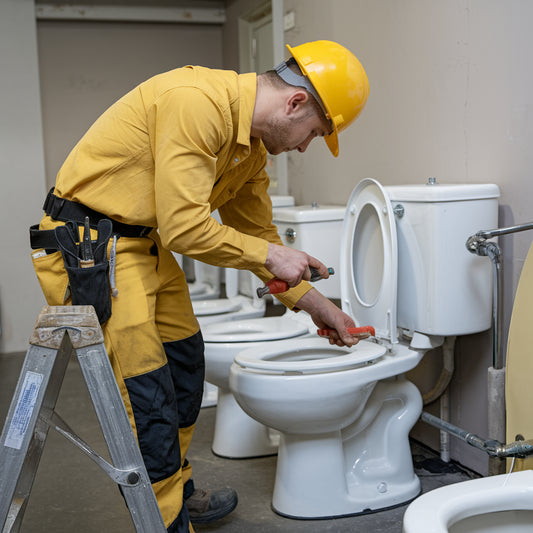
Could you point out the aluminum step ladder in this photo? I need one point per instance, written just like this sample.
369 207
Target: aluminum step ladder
59 331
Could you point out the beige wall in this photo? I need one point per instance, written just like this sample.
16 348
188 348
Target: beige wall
86 66
21 171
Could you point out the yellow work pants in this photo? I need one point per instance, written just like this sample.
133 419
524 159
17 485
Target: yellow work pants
156 351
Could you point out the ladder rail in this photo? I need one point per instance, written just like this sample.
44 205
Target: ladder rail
59 331
24 436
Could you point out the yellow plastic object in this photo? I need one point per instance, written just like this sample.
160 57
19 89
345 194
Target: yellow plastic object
339 79
519 371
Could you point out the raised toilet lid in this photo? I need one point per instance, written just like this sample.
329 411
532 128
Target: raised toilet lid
254 329
308 356
369 260
215 307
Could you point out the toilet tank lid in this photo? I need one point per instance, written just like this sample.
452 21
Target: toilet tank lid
308 213
442 192
281 200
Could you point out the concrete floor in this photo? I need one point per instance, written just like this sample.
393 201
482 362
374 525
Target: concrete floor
71 493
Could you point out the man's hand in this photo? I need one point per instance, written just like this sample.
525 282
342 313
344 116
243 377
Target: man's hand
326 314
292 265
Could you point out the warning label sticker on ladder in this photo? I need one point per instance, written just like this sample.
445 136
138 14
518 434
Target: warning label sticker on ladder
23 410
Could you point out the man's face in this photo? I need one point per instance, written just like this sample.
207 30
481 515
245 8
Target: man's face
286 132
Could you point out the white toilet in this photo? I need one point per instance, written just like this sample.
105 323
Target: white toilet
315 229
344 414
207 280
236 434
494 504
240 301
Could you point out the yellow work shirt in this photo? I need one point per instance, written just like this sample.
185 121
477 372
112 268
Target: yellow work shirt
169 153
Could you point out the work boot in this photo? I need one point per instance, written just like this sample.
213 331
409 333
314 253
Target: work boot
209 505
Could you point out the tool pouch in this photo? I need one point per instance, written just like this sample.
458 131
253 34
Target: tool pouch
89 285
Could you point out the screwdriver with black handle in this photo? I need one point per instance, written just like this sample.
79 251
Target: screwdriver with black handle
87 257
276 286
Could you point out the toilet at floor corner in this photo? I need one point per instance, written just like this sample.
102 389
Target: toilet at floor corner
344 414
236 434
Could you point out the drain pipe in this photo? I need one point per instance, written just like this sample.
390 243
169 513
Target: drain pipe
440 390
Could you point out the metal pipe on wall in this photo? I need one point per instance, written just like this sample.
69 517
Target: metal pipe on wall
477 244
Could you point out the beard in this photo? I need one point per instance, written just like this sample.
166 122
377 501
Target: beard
276 136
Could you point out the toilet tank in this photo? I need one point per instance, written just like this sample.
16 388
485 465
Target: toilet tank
443 289
316 230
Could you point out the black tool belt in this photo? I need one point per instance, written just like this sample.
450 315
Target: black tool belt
65 210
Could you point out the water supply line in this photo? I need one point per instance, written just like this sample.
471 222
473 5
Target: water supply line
519 448
478 244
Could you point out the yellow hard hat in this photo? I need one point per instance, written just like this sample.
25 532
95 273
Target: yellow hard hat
340 81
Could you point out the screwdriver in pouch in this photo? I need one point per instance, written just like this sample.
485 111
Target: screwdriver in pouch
87 257
275 286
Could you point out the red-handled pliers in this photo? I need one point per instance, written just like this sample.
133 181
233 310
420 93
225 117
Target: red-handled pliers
362 332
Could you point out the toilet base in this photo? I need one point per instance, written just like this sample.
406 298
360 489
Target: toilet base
364 468
237 435
210 395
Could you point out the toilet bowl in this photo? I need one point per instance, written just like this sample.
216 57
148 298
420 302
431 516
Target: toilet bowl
236 434
343 425
494 504
206 279
344 414
240 302
315 229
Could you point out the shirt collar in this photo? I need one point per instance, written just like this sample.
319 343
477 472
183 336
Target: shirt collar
247 93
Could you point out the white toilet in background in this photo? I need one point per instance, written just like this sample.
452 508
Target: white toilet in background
315 229
240 301
344 414
497 504
206 278
236 434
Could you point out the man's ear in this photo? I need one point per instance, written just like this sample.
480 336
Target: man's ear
296 101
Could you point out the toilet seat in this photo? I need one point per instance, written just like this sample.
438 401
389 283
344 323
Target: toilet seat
215 307
369 279
254 330
310 357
